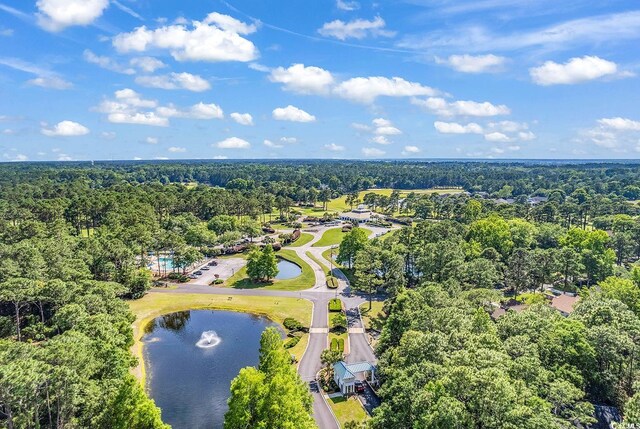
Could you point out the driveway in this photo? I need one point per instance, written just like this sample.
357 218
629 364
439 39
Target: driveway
369 399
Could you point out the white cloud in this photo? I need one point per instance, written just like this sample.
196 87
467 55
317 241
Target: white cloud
126 109
380 140
269 143
130 108
242 118
303 80
360 127
289 140
197 111
372 152
151 140
347 5
576 70
229 23
220 157
411 149
616 133
147 64
620 124
6 32
388 131
106 63
367 89
293 114
497 137
442 107
176 149
51 82
172 81
592 30
56 15
526 135
456 128
233 143
356 29
66 129
334 147
474 63
138 118
108 135
216 39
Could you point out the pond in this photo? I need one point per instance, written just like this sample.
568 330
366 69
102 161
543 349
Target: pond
191 358
288 270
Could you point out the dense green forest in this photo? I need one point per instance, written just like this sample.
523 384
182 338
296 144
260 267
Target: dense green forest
76 238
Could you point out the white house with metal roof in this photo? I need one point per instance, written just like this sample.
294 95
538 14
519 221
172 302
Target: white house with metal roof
346 374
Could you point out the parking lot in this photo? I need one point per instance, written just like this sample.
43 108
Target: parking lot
226 268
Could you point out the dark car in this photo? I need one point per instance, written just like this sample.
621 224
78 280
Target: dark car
212 263
359 387
313 386
198 273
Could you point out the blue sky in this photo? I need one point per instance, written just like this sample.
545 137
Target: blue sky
144 79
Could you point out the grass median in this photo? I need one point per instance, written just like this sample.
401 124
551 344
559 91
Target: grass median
305 280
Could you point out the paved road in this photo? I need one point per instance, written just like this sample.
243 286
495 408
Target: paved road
319 295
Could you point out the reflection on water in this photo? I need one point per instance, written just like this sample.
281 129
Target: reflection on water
190 383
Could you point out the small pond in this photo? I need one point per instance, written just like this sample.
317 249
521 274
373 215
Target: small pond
191 358
288 270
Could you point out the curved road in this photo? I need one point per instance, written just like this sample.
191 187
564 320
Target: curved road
319 295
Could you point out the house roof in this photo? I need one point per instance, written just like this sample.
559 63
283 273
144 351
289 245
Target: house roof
343 373
360 367
564 303
355 215
347 371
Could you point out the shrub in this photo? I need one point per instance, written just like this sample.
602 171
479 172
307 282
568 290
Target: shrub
335 305
218 281
334 345
292 324
339 322
332 283
291 342
341 344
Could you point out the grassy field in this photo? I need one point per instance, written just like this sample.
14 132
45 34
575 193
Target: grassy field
155 304
340 205
302 240
347 409
333 237
305 280
374 318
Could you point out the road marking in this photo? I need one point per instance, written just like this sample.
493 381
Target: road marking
356 330
319 330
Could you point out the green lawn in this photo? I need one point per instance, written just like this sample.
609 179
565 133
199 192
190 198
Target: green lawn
333 237
373 318
347 409
347 272
155 304
302 240
305 280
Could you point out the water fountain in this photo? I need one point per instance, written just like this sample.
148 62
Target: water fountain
208 339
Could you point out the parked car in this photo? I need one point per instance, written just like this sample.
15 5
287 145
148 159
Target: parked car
313 386
359 387
198 273
212 264
205 268
193 276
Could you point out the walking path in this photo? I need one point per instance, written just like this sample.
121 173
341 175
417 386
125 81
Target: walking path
319 295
